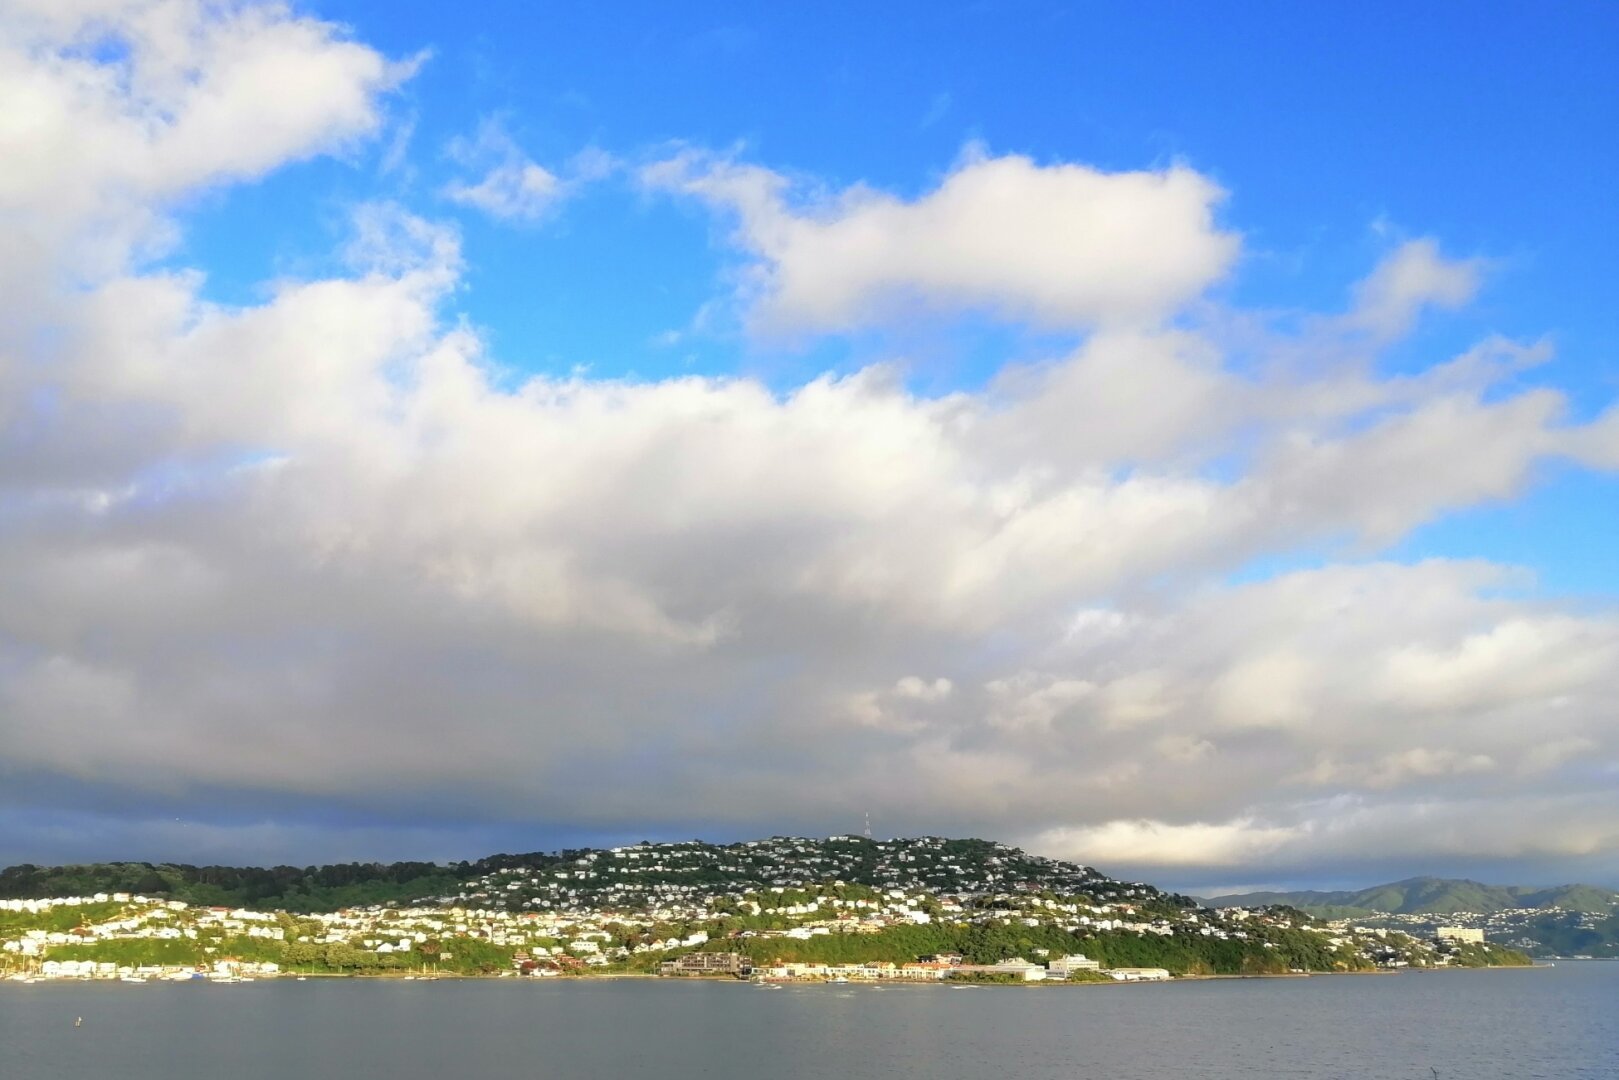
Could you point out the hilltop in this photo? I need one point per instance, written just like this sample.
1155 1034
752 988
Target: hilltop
622 877
1431 896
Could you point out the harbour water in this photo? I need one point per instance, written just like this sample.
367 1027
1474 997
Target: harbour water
1558 1023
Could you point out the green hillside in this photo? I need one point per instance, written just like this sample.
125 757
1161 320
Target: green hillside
1431 896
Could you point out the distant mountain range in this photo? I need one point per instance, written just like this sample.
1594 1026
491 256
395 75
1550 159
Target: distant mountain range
1431 896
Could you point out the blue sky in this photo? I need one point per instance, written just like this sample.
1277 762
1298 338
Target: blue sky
1335 132
548 402
1325 127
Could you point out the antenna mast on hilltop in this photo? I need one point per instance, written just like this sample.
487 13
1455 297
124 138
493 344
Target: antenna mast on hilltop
868 824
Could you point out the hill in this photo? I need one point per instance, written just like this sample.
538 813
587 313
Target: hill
624 877
1431 896
845 900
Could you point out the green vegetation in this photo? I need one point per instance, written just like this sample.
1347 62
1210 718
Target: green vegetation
1275 950
467 957
58 919
313 888
1269 950
587 878
1431 896
134 952
1468 954
1562 934
1087 977
981 898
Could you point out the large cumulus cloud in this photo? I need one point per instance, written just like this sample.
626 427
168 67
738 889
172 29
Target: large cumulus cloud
320 549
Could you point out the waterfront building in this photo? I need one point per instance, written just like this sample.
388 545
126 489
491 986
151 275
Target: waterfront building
1139 974
707 963
1065 966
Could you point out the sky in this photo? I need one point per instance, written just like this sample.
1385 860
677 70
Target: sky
1182 441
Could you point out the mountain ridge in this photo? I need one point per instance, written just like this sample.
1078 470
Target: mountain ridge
1430 896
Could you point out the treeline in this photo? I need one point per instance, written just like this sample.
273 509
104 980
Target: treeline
285 888
289 888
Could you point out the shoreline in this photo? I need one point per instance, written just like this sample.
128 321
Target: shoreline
732 981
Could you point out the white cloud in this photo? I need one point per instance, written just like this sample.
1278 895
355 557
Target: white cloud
518 189
1598 444
1414 276
313 547
923 690
1346 834
115 109
512 187
1153 843
1065 245
359 534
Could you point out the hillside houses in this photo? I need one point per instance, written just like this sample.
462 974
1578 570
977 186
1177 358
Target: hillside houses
789 903
661 875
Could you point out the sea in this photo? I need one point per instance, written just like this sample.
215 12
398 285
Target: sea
1557 1022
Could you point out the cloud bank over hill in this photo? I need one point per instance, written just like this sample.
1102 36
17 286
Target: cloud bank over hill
324 548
